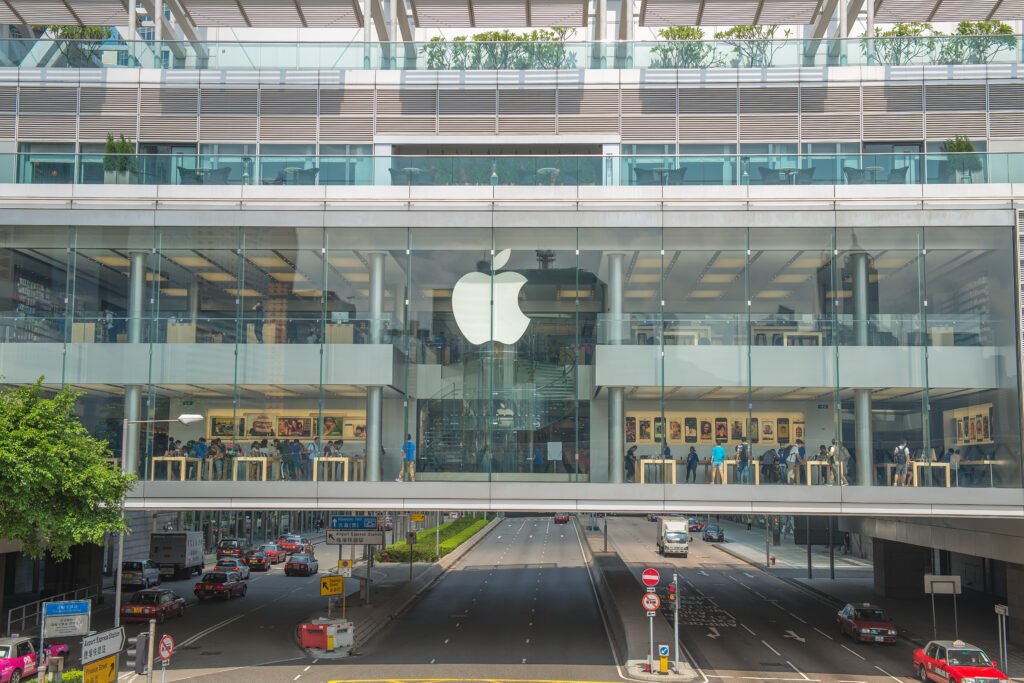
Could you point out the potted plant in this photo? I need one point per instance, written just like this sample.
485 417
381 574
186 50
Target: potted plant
976 42
119 161
902 44
754 45
685 48
963 160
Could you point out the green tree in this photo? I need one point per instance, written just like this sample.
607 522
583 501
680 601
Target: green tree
755 45
685 48
59 489
902 43
976 42
80 45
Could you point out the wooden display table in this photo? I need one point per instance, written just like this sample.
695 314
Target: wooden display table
809 465
181 333
669 464
975 463
339 333
944 466
269 333
750 466
358 467
890 469
83 333
251 460
182 461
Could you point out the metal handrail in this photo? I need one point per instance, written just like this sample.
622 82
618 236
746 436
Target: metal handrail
33 610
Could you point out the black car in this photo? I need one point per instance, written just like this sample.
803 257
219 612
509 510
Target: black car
714 533
231 547
257 560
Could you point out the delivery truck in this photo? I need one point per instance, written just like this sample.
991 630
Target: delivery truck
179 554
673 537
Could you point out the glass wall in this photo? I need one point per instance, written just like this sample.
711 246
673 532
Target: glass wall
808 354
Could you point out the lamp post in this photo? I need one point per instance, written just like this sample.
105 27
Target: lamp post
183 419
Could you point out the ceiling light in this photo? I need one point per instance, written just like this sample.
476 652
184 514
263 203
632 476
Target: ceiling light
438 293
717 277
356 277
244 292
729 262
308 292
641 294
812 263
645 277
288 277
217 277
346 262
192 261
705 294
575 293
174 291
791 278
891 262
648 262
269 261
773 294
113 261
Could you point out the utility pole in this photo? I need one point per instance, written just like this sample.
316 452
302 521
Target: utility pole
675 609
149 655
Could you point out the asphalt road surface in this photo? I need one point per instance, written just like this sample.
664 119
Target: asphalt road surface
519 606
741 624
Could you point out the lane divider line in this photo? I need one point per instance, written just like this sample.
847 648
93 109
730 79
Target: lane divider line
824 634
856 654
802 674
777 653
898 680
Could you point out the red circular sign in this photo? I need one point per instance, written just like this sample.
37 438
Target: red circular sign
166 647
651 602
650 577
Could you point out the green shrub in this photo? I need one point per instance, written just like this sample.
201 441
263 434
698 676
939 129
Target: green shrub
452 535
72 676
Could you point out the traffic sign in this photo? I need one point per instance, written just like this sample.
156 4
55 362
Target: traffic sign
102 645
166 647
650 577
332 585
354 537
55 609
651 602
1002 610
417 517
67 618
354 522
345 568
101 671
663 650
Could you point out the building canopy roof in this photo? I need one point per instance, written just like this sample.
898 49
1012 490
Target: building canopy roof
499 13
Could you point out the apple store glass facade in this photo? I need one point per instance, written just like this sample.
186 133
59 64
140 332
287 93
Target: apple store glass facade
686 337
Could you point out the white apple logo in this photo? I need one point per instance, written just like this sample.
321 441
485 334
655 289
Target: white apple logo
473 305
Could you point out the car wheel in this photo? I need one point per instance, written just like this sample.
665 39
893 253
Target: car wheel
245 589
15 677
181 611
922 673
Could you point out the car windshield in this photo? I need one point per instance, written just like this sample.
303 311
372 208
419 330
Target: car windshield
268 547
131 566
215 578
676 537
871 615
711 528
5 651
146 598
227 545
299 558
968 658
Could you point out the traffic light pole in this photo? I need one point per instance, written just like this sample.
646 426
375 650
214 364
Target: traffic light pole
675 610
149 654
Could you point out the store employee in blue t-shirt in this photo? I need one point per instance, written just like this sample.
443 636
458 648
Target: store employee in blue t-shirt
408 459
718 464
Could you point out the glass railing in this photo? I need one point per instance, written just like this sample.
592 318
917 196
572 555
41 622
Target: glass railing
466 56
682 170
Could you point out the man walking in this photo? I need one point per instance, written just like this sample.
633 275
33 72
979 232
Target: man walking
692 459
718 464
743 463
408 459
904 464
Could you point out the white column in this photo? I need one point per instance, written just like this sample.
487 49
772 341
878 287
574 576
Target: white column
871 18
375 394
158 22
862 397
133 20
133 394
616 403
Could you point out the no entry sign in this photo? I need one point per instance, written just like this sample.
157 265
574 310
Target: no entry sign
651 602
166 647
650 577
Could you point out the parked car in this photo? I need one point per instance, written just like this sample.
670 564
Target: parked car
714 533
866 623
561 518
301 565
153 603
18 659
232 564
141 573
257 559
275 553
290 543
652 517
220 585
231 547
695 524
954 661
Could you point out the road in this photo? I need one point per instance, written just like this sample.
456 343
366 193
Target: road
518 606
742 624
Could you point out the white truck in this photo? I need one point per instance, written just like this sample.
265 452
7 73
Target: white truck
179 554
673 537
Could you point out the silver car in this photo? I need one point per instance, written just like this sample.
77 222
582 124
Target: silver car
230 564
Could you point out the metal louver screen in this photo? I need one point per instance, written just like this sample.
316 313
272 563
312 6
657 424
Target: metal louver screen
109 100
707 100
648 101
227 128
47 128
955 97
1006 124
466 125
346 101
97 127
639 128
1006 96
579 125
349 129
951 125
892 98
42 99
591 101
170 101
526 125
768 100
1020 271
288 129
467 102
893 126
526 102
162 128
830 100
7 125
406 125
214 12
707 128
769 127
272 14
231 101
830 127
8 99
408 102
288 101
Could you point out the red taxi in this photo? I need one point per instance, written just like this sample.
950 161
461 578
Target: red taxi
257 560
231 547
291 543
866 623
18 658
154 603
301 565
275 553
220 585
954 661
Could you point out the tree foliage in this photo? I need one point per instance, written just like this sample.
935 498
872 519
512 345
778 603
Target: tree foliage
80 45
755 45
59 490
685 48
538 49
903 42
976 42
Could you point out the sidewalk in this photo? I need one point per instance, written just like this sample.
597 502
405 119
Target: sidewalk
854 582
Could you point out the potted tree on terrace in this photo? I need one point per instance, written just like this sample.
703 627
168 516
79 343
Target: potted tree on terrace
119 162
755 46
901 44
963 160
976 42
685 48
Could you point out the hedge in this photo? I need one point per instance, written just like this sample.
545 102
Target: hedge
70 676
452 535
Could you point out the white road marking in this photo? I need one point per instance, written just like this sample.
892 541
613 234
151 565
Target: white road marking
790 634
888 674
316 660
307 669
749 576
748 630
851 682
524 660
713 633
704 573
758 594
733 578
432 661
209 630
777 653
824 634
446 641
852 652
297 677
797 618
802 674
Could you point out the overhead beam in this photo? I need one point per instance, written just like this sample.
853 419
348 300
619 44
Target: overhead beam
402 19
995 8
757 13
935 10
380 22
16 13
78 19
626 20
241 9
182 27
298 10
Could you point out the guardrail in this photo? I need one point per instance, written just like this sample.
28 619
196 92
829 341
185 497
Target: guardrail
28 616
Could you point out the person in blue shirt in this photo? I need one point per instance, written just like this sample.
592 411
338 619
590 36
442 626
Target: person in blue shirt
718 464
199 451
295 460
538 459
692 460
408 459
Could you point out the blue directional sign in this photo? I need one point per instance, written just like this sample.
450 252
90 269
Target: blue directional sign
354 522
57 609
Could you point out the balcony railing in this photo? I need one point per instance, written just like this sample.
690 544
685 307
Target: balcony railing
463 56
669 170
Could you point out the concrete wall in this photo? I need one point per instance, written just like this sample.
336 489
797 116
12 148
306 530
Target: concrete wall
898 569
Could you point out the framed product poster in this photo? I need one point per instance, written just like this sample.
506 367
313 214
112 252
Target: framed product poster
659 430
630 430
798 430
295 427
736 433
675 430
645 435
226 426
978 428
690 429
707 434
359 430
959 431
333 426
755 430
782 430
767 431
972 431
721 429
261 425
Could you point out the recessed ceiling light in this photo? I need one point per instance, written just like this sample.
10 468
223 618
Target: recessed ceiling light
729 262
288 277
346 262
773 294
243 292
717 277
812 263
648 262
641 293
113 261
308 292
191 261
645 277
269 261
891 262
174 291
791 278
705 294
217 277
356 277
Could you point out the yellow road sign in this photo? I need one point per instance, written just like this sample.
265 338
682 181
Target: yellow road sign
332 585
344 564
101 671
418 517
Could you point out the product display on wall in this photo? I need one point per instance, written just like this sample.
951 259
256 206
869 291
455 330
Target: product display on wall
288 424
727 428
969 426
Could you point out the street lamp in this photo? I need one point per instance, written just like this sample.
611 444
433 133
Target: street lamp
185 419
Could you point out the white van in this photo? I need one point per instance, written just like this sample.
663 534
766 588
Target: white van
673 537
143 573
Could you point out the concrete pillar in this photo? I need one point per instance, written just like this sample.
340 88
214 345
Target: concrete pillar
862 397
899 568
844 29
616 402
375 395
1015 601
133 22
133 394
158 21
193 299
871 18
